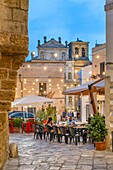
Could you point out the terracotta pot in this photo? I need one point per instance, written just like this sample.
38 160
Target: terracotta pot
100 146
16 130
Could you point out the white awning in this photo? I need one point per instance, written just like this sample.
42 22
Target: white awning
76 90
32 101
84 88
101 84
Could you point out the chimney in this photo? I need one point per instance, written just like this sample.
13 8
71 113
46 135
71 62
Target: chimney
59 39
38 43
45 39
66 43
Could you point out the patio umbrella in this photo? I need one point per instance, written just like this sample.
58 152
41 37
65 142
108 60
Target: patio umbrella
100 85
86 89
32 101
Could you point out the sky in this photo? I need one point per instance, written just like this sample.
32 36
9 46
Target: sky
68 19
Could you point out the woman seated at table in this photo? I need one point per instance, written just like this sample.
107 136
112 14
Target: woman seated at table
71 122
50 123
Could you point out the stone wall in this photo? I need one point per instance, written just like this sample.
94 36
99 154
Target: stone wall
109 71
13 51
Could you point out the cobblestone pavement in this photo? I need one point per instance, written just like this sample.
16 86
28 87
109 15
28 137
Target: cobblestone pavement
43 155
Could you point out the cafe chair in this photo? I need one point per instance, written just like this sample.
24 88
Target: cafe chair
64 133
57 133
84 136
38 131
49 133
74 135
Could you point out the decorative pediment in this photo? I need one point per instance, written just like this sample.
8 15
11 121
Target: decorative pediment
52 44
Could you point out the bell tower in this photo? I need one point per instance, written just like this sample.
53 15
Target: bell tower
109 72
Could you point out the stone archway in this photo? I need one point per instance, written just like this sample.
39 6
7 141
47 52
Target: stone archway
13 51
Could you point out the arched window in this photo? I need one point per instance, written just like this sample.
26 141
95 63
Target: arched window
83 52
69 76
76 50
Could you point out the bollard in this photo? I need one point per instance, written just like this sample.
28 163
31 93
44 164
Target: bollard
13 148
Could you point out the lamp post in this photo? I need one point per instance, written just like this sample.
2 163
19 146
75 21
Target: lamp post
21 87
21 83
32 54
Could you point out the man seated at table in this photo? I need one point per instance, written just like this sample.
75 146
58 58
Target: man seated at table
71 121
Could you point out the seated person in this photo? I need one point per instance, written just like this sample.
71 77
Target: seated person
78 117
71 121
50 123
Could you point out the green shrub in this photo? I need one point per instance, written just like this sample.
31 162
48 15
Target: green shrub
18 122
43 115
97 128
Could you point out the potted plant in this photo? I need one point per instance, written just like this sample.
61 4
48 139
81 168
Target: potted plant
17 124
98 131
40 117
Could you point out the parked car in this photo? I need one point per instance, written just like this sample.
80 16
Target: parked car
21 114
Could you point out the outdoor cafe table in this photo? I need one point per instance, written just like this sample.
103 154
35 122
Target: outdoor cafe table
82 128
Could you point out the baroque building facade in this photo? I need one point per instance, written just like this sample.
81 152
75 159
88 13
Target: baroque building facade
53 71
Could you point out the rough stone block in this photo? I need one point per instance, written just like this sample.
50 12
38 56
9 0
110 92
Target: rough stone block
5 12
5 62
10 3
7 95
17 62
1 126
20 15
12 74
3 73
10 26
5 106
8 85
16 43
13 148
24 4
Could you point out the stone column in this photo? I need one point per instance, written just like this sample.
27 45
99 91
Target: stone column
109 71
13 51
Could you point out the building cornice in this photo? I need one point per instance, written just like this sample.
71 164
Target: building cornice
108 7
46 61
83 43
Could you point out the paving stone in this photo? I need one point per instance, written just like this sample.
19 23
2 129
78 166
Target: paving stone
100 166
11 168
43 155
54 168
110 167
28 167
83 167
